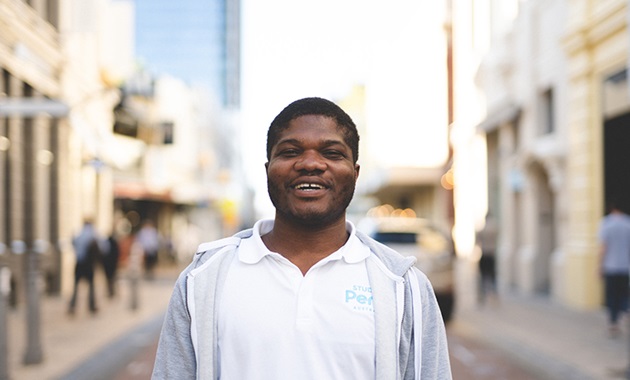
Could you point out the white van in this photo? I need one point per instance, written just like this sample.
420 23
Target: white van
433 249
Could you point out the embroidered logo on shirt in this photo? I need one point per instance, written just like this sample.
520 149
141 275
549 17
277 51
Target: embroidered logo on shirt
359 297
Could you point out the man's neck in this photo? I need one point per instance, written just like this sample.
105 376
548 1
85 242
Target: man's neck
305 245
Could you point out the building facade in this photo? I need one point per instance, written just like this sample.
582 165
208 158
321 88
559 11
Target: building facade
32 143
58 149
541 97
596 43
54 107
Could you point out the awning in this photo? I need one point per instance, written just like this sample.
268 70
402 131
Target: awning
401 178
139 191
501 115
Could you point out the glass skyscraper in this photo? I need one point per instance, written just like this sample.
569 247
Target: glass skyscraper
197 41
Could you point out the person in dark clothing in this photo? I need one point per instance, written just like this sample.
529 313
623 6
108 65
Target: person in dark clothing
111 253
87 251
487 240
149 239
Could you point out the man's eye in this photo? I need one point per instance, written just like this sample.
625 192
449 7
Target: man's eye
288 153
333 154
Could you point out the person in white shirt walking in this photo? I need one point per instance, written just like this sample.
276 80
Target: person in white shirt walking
614 238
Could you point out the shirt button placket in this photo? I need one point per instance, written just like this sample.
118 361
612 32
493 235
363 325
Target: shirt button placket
305 302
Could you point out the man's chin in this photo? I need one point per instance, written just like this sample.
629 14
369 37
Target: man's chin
314 218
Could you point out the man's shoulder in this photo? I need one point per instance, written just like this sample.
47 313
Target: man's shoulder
208 249
213 246
616 219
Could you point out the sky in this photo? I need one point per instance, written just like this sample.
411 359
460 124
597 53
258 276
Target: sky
297 48
293 49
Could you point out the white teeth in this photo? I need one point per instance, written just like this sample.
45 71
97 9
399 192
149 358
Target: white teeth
309 186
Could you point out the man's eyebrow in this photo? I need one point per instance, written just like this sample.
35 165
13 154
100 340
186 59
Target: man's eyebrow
324 143
288 141
334 142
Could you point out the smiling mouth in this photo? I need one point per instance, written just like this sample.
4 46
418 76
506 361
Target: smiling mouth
309 187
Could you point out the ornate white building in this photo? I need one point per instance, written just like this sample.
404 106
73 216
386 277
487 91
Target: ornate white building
538 85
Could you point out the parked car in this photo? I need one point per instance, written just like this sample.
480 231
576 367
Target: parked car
433 249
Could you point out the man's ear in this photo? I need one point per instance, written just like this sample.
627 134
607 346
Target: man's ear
357 168
266 165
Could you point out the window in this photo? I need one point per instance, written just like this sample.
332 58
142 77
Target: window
548 122
616 99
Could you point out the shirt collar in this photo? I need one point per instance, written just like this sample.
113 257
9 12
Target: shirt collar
350 252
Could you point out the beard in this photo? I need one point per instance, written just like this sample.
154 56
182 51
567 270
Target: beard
307 215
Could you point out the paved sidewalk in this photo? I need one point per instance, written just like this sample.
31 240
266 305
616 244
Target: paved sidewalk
70 342
555 341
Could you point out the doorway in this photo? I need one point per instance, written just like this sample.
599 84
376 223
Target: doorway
617 161
545 227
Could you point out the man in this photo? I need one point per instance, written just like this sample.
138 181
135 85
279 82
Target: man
87 250
111 254
305 295
614 237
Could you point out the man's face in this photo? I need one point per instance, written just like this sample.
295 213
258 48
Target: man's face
311 174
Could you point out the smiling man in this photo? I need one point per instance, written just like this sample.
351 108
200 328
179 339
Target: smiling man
304 295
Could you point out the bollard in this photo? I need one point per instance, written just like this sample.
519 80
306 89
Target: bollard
134 293
34 353
5 288
134 269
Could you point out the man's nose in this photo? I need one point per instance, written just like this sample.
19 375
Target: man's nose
310 161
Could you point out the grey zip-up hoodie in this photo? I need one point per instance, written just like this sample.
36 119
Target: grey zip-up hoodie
410 336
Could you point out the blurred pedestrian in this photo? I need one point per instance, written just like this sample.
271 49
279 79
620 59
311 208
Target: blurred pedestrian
87 251
124 245
614 240
111 254
304 295
149 240
487 241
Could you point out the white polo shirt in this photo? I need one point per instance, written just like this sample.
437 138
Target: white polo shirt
275 323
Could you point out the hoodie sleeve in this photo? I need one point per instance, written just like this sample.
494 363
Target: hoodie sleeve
175 358
435 362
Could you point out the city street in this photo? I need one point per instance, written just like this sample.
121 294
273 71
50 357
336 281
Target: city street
470 360
141 366
489 132
513 338
472 356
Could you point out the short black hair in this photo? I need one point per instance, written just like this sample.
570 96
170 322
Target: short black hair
314 106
